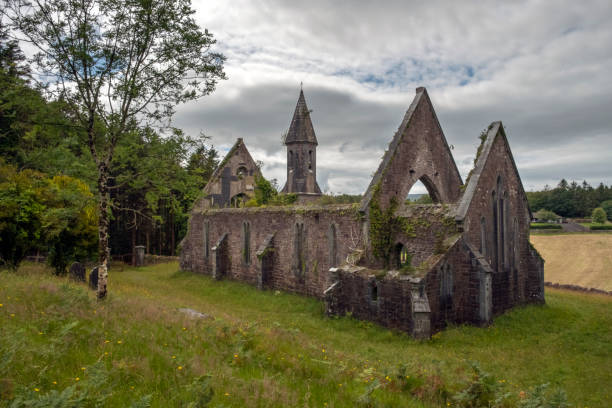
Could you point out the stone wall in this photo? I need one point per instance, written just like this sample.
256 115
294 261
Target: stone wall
307 241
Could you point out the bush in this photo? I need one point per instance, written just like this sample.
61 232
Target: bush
607 207
546 215
536 225
601 227
599 215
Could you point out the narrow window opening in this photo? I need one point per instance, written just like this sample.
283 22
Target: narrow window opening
483 236
246 243
332 246
373 291
206 240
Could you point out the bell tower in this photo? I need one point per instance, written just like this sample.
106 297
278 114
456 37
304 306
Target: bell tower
301 143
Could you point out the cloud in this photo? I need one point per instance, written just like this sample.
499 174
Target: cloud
540 67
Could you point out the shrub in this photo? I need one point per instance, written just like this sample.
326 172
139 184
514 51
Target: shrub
607 207
546 215
601 227
599 215
536 225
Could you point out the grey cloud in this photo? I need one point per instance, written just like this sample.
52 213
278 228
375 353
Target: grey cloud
540 68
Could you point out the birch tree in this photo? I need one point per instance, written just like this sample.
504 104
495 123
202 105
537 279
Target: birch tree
119 63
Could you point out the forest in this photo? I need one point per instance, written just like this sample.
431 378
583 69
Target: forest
48 179
572 200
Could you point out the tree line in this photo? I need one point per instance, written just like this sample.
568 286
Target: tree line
49 179
572 200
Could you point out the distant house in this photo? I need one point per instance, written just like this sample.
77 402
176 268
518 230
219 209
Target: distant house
463 259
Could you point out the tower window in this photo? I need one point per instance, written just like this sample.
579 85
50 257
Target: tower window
246 242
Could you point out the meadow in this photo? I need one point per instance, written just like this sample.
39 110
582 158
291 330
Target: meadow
577 259
61 347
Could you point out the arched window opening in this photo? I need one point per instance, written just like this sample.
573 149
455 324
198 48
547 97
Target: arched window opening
423 192
495 223
402 258
206 239
483 236
332 246
446 286
373 291
290 158
242 171
299 264
310 160
246 242
238 200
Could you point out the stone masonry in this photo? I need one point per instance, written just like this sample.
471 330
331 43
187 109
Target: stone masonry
463 259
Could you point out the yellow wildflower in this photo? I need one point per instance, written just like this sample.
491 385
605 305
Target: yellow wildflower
36 389
77 379
179 368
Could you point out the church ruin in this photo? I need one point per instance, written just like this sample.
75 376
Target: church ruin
463 259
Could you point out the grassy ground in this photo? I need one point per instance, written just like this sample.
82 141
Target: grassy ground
267 349
577 259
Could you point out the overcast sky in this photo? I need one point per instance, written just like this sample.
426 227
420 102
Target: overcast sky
542 67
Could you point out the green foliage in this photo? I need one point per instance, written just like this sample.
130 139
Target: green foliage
570 199
22 210
607 207
71 223
264 191
267 194
482 390
327 199
384 226
600 227
546 215
545 226
36 212
599 215
423 199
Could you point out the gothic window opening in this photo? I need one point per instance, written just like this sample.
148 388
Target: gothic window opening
332 246
206 239
246 242
373 291
483 236
403 259
290 158
310 160
446 286
299 264
241 172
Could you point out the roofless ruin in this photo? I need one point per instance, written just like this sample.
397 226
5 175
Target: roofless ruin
417 268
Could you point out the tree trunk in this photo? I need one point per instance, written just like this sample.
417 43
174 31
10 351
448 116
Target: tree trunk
103 249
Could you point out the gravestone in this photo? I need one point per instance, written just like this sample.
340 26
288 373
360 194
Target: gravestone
93 279
77 272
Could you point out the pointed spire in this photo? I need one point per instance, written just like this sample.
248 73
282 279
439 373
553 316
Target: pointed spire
301 129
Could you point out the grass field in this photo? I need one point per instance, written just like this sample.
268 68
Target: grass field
577 259
271 349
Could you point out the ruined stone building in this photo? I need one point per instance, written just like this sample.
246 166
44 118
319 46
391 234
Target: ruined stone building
463 259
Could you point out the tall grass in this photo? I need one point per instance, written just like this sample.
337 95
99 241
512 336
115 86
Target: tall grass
262 349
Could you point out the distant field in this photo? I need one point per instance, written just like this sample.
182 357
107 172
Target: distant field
60 347
577 259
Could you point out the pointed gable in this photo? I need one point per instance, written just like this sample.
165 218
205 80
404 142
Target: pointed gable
301 129
494 161
418 151
234 177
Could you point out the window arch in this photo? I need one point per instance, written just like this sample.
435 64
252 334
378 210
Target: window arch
483 236
402 258
333 249
299 264
206 239
246 242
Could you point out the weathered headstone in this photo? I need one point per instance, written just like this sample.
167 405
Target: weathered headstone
93 279
77 272
140 255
